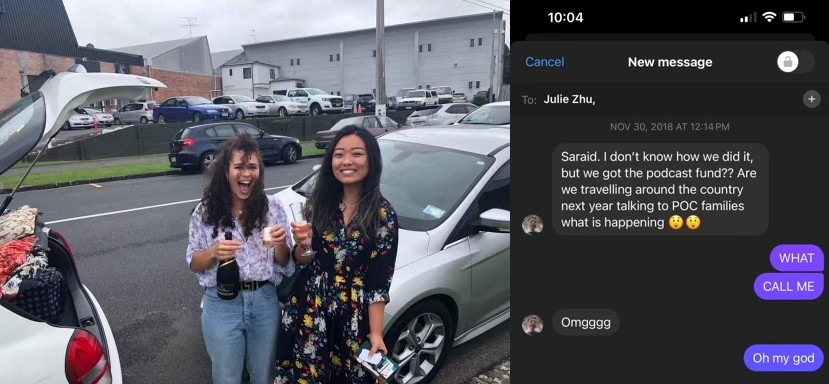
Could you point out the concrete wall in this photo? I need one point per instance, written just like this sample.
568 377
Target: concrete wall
149 139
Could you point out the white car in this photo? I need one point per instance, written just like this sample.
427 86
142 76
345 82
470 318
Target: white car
495 114
242 106
417 99
445 114
282 106
102 117
450 188
77 346
444 93
459 97
317 100
78 120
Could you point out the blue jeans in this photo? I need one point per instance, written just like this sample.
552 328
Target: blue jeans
246 326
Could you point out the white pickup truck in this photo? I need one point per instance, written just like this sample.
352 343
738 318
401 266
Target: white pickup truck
317 100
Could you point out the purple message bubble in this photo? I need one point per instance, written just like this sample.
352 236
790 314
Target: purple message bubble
797 258
783 358
789 286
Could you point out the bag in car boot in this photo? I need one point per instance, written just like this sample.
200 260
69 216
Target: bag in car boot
40 295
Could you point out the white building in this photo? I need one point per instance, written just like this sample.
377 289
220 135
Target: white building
458 52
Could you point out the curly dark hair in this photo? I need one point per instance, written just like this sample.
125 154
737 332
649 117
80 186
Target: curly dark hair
327 192
217 201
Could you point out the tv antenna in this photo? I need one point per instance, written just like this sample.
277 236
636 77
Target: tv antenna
189 24
252 35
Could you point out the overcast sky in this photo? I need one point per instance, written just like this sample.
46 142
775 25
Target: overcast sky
227 24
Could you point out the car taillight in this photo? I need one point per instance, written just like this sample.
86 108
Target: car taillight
85 360
188 142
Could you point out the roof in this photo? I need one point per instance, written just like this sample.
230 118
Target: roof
219 58
152 50
242 59
498 16
476 140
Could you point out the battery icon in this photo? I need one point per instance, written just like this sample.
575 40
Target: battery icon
793 17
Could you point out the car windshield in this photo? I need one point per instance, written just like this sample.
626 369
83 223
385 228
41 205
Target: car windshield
196 100
348 98
242 99
92 111
365 97
314 91
347 121
424 183
488 114
443 90
21 127
416 94
403 92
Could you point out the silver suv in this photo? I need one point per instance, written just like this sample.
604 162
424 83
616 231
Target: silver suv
137 112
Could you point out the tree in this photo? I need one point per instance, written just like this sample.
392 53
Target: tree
506 65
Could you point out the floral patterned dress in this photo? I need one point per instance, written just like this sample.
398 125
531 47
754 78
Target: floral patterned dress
326 318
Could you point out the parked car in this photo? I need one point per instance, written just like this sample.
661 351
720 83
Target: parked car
97 114
194 148
494 114
417 99
75 345
189 108
79 119
377 125
444 114
242 106
459 97
444 94
138 112
367 102
450 189
282 106
317 100
393 100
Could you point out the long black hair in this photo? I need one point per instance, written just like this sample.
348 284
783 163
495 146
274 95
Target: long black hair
324 204
217 201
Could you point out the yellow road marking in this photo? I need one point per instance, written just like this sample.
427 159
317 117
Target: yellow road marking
95 185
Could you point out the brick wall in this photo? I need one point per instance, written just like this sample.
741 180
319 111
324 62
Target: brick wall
178 83
183 84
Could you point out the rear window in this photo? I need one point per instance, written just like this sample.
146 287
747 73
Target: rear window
184 133
425 112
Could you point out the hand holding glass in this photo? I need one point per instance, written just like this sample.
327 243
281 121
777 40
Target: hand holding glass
298 212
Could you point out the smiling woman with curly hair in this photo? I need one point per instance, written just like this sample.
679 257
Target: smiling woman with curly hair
241 326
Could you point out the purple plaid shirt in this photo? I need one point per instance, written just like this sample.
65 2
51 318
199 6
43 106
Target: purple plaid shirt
255 261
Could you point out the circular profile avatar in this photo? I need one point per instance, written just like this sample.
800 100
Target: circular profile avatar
532 325
532 225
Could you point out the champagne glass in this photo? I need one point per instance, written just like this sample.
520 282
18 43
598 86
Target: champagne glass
298 212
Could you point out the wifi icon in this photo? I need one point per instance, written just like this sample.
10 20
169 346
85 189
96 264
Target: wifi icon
769 16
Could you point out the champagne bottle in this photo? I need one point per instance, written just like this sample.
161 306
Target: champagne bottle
227 277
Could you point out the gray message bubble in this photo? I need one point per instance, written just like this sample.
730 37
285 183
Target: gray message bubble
660 188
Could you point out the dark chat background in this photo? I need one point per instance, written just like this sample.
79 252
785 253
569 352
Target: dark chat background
686 304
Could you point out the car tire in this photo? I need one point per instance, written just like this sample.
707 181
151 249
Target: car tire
144 120
206 159
197 117
411 334
240 115
283 112
65 126
117 121
290 154
315 110
162 119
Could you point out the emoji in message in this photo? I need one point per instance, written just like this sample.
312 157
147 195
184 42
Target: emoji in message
692 222
675 222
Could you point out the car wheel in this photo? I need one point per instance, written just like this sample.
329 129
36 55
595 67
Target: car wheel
144 120
117 121
162 119
283 112
290 154
421 340
240 115
206 159
197 117
65 126
316 110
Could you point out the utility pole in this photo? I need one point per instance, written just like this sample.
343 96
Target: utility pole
189 24
380 109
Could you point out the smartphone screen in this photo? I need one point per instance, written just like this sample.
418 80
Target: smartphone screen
672 194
